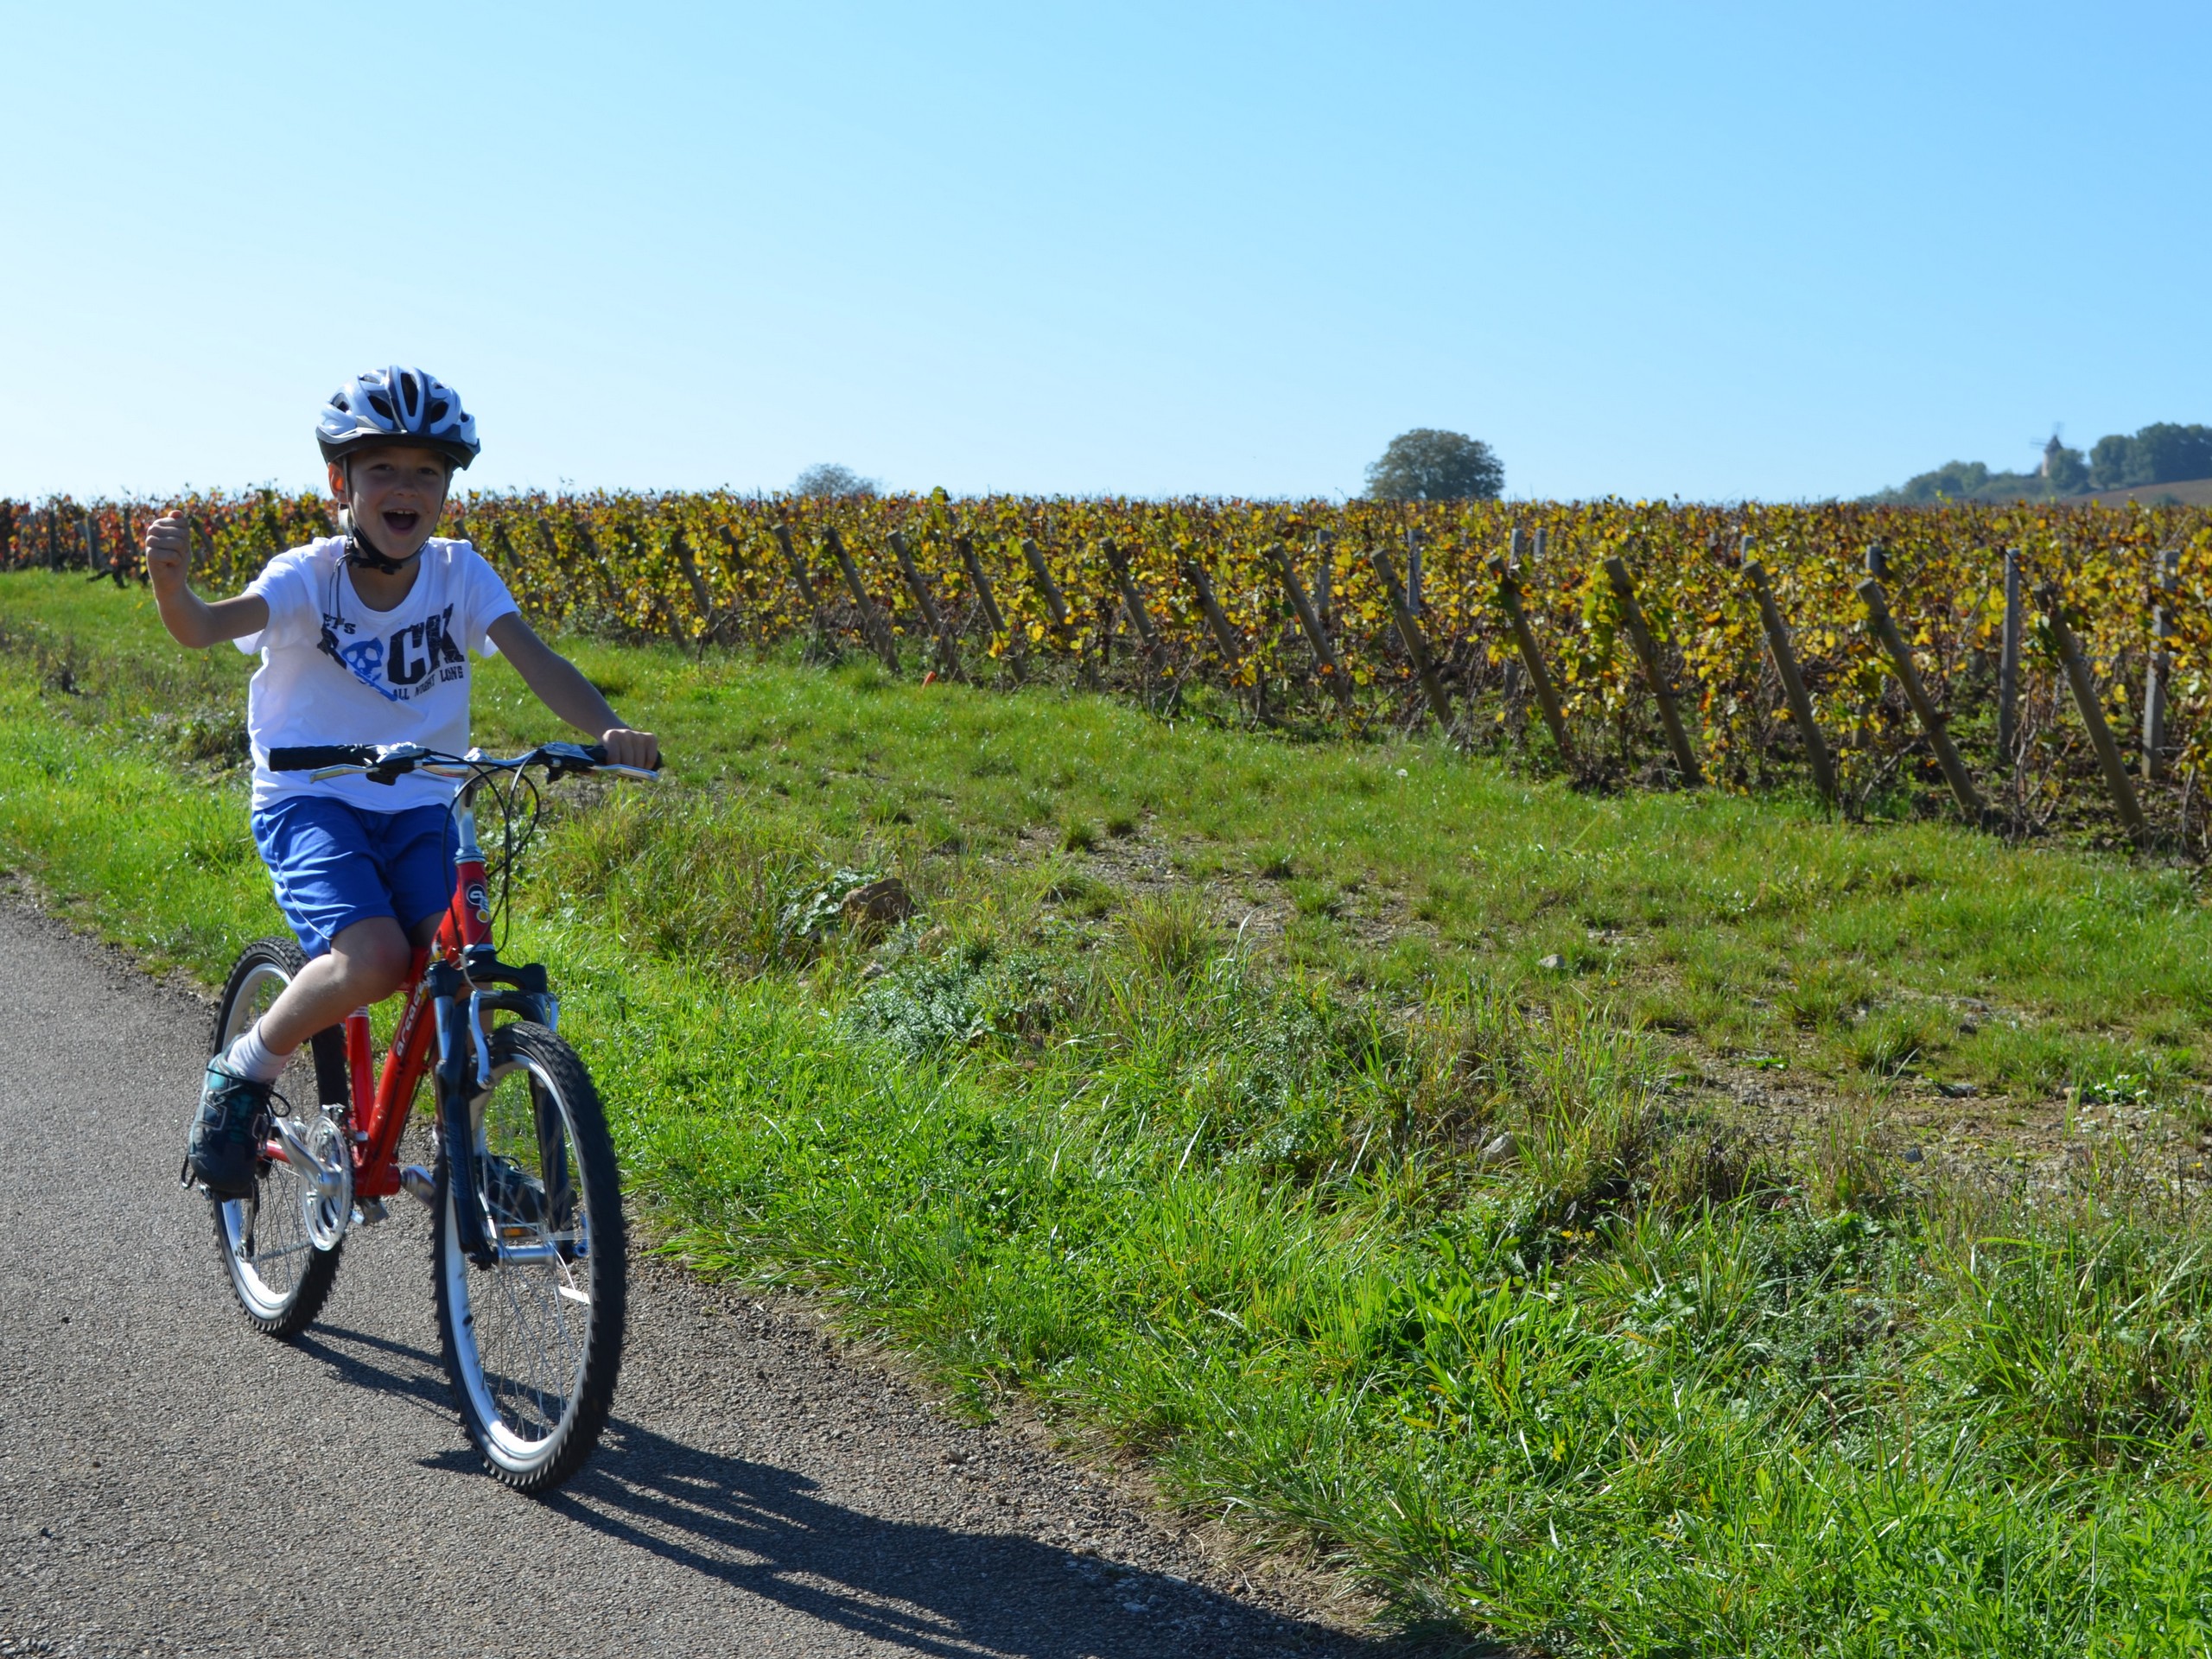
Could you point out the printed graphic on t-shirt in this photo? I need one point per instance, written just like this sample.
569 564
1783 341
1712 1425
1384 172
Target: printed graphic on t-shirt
412 658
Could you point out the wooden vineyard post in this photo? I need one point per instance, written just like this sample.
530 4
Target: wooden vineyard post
981 583
1309 620
678 635
1055 604
708 627
2008 663
1793 683
948 647
1924 707
499 550
1232 653
1510 674
591 550
873 623
542 525
53 537
91 530
782 534
1132 600
1647 653
733 627
2155 678
1409 632
2084 686
1324 554
1532 658
1412 570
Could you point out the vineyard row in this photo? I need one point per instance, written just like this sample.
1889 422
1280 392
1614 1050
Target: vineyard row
2029 663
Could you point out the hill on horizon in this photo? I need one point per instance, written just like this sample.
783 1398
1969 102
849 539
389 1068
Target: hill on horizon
2178 493
2118 465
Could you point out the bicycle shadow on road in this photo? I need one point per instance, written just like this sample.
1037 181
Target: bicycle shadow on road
930 1589
412 1374
760 1529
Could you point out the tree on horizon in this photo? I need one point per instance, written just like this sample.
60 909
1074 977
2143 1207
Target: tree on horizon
1430 464
831 479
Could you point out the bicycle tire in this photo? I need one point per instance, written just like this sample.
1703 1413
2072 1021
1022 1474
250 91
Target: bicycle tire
282 1301
533 1389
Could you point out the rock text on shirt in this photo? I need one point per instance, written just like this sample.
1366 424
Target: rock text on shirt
413 658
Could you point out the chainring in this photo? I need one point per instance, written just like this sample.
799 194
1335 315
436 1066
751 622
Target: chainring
328 1214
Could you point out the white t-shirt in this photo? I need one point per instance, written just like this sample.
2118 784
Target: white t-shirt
333 670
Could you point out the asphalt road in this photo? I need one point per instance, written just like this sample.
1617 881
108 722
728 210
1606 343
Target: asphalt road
171 1482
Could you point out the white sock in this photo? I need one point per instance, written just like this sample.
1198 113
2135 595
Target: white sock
250 1058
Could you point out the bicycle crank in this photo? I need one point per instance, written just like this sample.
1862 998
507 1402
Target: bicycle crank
317 1150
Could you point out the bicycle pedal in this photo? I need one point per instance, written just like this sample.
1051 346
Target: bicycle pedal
369 1211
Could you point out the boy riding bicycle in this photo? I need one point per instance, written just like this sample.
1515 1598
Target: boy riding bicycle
364 638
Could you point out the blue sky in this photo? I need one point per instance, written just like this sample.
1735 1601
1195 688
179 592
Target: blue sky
1705 250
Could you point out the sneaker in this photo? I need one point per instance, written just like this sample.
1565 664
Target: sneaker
227 1133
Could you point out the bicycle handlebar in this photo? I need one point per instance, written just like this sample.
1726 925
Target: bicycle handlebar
309 756
384 763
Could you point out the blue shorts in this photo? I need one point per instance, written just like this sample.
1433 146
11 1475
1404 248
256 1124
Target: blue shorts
334 865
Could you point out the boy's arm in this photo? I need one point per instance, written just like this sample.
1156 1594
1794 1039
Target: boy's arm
561 686
191 620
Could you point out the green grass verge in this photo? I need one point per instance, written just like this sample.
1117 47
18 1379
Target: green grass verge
1367 1230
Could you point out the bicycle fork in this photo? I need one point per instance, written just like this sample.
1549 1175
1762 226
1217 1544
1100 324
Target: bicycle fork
456 1123
464 1069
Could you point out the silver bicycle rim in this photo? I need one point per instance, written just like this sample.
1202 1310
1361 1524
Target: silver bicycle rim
522 1326
265 1238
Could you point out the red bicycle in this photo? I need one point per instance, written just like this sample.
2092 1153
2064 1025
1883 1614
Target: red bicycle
530 1256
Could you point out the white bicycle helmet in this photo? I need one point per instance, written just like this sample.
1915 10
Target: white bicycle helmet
396 405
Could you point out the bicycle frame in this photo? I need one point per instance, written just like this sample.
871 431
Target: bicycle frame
453 988
382 1102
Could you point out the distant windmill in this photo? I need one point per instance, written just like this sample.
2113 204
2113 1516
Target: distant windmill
2052 450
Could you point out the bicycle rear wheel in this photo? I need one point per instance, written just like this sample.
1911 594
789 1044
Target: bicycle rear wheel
279 1274
532 1338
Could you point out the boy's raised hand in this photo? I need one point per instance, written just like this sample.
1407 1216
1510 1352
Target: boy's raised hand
168 554
192 621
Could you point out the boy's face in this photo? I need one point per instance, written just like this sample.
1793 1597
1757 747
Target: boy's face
398 491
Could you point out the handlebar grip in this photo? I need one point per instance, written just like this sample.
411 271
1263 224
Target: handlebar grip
597 751
310 757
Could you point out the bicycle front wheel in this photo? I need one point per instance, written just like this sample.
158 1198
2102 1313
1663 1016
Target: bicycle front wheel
280 1275
532 1335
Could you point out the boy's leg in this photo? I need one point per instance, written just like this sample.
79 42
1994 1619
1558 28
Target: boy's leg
332 884
365 964
340 870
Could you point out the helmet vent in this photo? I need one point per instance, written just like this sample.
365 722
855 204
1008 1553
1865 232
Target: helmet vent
397 403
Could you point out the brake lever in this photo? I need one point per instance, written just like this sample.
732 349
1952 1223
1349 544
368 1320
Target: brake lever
582 760
395 761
